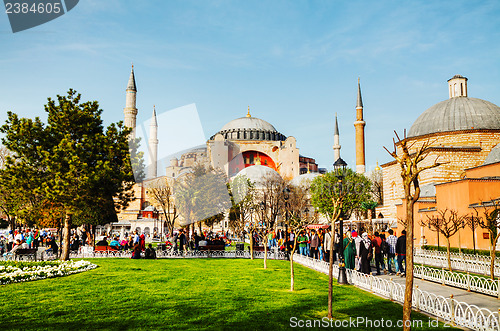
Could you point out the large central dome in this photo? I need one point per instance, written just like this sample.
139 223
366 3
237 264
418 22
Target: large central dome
249 128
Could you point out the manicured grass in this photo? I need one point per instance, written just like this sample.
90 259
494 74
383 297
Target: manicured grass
184 294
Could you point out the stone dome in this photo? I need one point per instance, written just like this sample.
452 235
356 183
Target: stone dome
457 113
250 128
258 174
493 156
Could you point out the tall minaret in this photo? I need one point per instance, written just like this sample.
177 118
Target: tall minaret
359 125
153 146
336 140
130 110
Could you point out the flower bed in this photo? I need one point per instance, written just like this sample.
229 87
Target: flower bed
23 272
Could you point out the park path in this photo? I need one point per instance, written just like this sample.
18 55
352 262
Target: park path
472 298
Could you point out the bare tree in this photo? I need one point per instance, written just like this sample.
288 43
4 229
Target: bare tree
242 193
490 221
377 180
448 223
410 170
162 194
270 201
472 223
298 216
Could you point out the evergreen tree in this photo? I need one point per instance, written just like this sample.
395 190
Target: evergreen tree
72 164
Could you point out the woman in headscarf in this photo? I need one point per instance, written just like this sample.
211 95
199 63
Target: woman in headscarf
349 251
365 253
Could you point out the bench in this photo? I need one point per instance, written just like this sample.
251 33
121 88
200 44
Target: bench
213 248
105 249
257 248
28 252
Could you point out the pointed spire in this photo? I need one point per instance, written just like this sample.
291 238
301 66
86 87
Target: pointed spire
336 126
248 113
153 119
131 81
360 101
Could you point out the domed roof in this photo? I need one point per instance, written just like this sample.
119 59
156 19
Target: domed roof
493 156
258 174
249 123
457 113
304 179
249 128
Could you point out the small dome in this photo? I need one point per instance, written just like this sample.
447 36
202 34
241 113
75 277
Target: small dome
493 156
258 174
458 113
304 179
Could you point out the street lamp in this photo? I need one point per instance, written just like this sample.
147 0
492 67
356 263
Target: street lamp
340 171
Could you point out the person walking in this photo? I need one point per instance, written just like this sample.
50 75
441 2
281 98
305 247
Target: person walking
349 251
401 251
379 259
326 245
302 241
365 253
391 255
314 244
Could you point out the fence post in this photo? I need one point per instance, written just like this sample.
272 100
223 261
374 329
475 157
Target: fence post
417 298
442 276
371 283
391 286
498 297
468 281
452 305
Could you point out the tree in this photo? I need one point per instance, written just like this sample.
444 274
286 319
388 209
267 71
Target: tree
72 164
270 201
472 223
447 225
242 192
338 195
298 217
490 221
201 194
356 192
162 195
377 190
410 170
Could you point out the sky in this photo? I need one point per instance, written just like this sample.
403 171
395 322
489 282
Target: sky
295 63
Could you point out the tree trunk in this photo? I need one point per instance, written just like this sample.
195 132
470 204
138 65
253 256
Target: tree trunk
251 245
292 276
65 235
409 265
330 270
265 253
448 252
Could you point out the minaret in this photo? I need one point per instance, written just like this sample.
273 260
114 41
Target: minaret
153 146
336 140
130 110
359 125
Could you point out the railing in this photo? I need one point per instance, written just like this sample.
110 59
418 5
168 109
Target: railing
478 264
449 309
272 254
465 281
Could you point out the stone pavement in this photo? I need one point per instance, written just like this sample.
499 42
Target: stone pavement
472 298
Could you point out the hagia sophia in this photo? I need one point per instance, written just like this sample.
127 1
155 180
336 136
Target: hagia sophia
463 132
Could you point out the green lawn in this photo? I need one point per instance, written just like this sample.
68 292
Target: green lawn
181 294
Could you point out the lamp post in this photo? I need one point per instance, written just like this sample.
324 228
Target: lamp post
340 168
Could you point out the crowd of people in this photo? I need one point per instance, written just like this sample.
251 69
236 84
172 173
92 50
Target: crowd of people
358 250
28 239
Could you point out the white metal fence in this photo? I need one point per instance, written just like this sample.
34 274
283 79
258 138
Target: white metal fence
478 264
465 281
449 309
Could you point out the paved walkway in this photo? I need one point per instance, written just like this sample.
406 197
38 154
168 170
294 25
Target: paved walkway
472 298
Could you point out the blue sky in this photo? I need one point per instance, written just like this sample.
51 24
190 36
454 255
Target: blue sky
295 63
